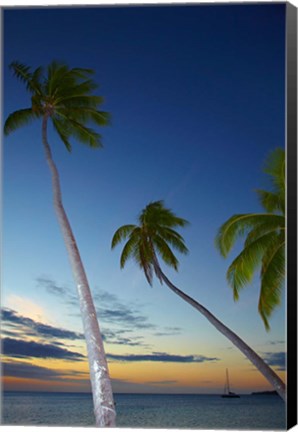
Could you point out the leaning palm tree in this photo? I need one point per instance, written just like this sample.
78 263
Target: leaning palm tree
154 237
264 246
64 96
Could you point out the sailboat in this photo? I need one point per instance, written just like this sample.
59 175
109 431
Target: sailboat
227 392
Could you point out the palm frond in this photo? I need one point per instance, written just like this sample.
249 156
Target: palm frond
129 249
83 134
173 238
272 225
24 74
272 278
101 118
37 80
165 252
271 201
156 213
21 71
56 76
275 167
61 78
144 257
78 101
62 93
237 226
82 72
61 129
84 114
18 118
242 269
121 234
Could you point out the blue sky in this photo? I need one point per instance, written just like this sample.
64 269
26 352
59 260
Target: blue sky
197 99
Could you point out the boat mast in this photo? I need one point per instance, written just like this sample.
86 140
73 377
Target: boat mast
228 385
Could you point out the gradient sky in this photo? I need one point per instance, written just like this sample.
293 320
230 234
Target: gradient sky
197 99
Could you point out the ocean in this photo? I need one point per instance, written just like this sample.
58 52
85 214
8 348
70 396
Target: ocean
154 411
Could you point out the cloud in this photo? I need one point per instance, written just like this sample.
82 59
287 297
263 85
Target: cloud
34 328
62 292
123 337
51 286
18 369
25 370
20 349
124 316
276 359
106 297
21 326
111 309
161 334
278 342
165 382
169 331
161 357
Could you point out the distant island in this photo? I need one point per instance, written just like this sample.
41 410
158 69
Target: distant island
267 393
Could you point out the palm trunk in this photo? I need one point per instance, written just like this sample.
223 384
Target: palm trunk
104 409
259 363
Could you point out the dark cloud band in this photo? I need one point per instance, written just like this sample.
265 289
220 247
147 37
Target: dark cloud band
20 322
22 349
161 357
277 359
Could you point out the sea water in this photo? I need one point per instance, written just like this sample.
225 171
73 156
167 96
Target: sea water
152 411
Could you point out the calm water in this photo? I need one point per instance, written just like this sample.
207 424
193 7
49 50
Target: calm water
146 411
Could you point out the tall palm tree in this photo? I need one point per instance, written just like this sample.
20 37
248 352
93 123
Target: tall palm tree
155 236
264 245
64 96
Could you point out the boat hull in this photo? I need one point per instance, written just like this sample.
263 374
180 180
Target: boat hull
230 396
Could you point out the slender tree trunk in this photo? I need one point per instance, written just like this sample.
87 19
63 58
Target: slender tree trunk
259 363
104 409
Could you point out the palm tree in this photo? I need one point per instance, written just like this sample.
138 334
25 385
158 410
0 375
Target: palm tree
64 96
264 245
155 236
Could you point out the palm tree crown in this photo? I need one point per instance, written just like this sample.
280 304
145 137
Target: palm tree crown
155 234
264 245
64 95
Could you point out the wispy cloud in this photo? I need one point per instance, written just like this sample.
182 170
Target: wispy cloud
276 359
169 331
125 316
161 357
278 342
106 297
113 311
116 337
65 294
109 307
27 349
165 382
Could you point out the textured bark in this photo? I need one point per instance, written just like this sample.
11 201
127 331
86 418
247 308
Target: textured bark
259 363
104 408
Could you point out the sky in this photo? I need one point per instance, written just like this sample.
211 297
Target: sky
197 100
